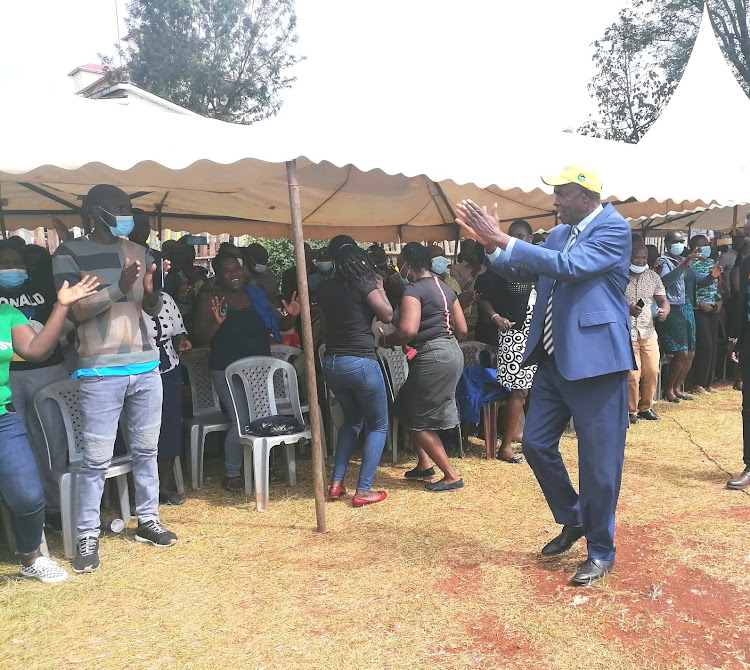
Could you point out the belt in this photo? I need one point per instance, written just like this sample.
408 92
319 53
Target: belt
9 407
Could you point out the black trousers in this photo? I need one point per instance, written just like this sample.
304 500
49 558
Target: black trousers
706 345
745 365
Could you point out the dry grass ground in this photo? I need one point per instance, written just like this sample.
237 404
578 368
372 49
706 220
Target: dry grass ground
422 580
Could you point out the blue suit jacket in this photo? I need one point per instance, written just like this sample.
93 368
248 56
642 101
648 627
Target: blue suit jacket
590 316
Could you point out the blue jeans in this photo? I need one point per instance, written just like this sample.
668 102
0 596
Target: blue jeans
20 485
138 398
233 452
359 387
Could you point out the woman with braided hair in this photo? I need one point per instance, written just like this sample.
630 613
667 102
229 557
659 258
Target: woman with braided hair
350 299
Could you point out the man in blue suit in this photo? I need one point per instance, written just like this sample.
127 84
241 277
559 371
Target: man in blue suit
580 340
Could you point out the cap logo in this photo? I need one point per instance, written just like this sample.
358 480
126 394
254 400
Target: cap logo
581 177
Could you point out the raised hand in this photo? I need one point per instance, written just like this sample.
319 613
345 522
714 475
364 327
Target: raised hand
130 273
219 309
293 308
69 295
484 227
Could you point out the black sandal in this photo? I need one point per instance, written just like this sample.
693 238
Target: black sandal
233 484
441 486
515 459
419 474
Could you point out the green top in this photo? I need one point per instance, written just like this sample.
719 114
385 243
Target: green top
10 317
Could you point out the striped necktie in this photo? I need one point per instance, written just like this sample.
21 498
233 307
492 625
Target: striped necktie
547 343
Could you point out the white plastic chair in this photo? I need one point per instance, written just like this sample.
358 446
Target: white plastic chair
207 415
292 355
61 399
395 371
251 384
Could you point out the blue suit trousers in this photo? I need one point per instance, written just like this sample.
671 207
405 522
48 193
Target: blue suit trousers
599 408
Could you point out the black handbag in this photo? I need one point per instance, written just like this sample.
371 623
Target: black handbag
271 426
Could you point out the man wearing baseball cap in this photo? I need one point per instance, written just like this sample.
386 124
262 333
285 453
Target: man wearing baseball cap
580 341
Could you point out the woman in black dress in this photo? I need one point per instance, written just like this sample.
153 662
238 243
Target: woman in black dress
430 321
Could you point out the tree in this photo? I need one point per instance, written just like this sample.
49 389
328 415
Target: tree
642 55
225 59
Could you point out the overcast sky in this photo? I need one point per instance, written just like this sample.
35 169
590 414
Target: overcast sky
391 62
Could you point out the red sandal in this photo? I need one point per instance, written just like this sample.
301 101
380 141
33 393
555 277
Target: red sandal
335 491
361 502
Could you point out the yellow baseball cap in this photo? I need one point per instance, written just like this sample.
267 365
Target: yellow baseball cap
575 173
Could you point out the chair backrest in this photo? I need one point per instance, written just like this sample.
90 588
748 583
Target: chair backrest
251 384
396 366
291 355
59 403
205 399
471 351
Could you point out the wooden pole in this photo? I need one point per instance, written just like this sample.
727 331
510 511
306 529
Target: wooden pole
2 216
735 214
307 344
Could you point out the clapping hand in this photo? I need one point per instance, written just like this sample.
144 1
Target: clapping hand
476 223
69 295
148 277
293 308
219 309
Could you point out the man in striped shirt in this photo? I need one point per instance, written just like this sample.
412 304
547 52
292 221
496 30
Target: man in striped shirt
118 367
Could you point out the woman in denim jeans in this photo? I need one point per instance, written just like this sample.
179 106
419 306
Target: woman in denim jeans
20 485
350 299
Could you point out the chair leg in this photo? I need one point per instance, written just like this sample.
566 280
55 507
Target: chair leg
192 453
179 482
291 464
489 418
68 506
323 433
260 465
43 546
124 496
248 451
394 440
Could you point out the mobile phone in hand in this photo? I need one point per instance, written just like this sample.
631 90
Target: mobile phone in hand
640 303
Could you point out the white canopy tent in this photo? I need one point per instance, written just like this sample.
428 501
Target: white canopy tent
211 176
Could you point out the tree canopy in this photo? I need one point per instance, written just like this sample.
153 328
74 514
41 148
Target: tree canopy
225 59
640 58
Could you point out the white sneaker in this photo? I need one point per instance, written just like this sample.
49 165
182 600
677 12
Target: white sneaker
45 570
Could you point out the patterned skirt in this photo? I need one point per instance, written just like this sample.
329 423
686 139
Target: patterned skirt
511 348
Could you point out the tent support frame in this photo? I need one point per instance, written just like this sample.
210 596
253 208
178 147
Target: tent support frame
307 344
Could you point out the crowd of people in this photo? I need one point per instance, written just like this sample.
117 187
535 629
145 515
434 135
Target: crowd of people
567 343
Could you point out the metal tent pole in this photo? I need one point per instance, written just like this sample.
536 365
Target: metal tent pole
307 344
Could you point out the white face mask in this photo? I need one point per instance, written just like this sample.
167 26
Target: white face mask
638 269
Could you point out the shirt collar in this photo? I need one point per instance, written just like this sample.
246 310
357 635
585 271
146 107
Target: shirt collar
589 218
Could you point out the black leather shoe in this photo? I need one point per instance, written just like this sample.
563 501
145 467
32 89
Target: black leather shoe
568 536
591 570
742 482
649 415
633 418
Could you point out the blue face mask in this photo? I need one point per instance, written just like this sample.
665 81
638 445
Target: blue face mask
677 249
638 269
123 224
440 265
12 278
404 280
324 266
706 252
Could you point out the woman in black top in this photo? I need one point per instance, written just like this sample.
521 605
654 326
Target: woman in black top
350 299
509 307
430 320
237 321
